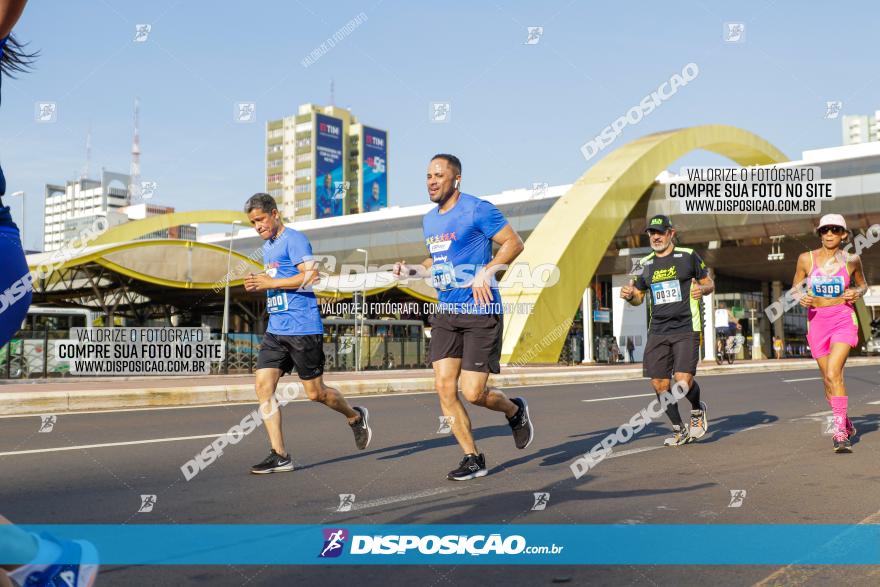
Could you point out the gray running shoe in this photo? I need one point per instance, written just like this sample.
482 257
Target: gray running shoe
521 424
361 428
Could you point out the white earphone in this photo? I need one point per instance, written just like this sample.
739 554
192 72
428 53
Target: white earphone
457 181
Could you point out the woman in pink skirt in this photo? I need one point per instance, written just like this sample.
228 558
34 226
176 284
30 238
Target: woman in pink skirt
834 281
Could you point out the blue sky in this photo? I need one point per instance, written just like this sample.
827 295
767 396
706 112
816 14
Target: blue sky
519 112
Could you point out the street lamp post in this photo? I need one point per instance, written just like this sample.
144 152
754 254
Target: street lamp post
756 336
225 330
21 193
363 307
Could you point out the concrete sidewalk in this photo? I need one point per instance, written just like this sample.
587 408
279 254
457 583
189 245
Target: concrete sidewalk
77 394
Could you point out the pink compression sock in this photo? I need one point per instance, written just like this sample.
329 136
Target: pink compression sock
849 424
838 406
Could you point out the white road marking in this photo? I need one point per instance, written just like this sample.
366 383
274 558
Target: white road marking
817 417
755 427
606 399
632 451
78 413
825 413
372 503
218 405
801 379
107 444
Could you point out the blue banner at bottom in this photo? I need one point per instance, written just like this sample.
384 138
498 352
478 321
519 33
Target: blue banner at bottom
527 544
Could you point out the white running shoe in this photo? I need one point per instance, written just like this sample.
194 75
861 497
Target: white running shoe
679 436
699 422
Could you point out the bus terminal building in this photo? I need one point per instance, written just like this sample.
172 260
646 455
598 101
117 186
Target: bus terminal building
591 231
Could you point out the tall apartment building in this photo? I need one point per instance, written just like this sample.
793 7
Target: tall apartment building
861 128
322 163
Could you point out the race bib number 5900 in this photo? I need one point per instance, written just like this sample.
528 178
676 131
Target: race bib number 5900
666 292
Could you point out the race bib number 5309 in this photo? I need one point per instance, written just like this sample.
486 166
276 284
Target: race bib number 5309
827 286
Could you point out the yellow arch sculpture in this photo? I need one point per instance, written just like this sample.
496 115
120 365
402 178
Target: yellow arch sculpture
129 231
576 231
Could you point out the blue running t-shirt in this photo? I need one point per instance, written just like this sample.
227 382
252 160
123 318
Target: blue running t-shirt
291 312
460 244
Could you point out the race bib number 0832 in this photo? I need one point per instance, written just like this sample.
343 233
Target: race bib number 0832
666 292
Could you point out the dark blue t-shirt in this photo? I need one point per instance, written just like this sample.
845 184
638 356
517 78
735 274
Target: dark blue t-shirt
291 312
460 244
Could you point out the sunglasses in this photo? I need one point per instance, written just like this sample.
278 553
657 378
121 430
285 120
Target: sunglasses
652 231
832 229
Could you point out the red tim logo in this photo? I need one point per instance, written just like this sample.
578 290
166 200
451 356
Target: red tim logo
328 128
334 541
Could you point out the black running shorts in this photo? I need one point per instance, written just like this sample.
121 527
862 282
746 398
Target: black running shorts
723 332
281 351
473 338
666 354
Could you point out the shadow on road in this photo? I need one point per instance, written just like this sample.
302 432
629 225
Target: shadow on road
729 425
410 448
567 451
865 424
513 506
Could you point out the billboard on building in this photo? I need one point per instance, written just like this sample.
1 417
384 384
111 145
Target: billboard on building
374 173
329 178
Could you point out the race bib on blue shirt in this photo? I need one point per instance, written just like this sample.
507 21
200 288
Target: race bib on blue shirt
276 301
442 276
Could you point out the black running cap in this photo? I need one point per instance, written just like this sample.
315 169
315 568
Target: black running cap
659 222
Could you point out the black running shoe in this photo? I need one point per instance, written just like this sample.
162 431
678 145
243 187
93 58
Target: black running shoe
470 467
361 428
842 443
521 424
274 463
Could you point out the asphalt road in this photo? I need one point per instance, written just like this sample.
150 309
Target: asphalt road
765 438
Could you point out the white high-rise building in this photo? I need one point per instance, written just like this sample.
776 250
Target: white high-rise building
859 128
81 201
72 208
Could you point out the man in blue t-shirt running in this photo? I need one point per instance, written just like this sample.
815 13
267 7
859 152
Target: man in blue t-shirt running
466 331
295 336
